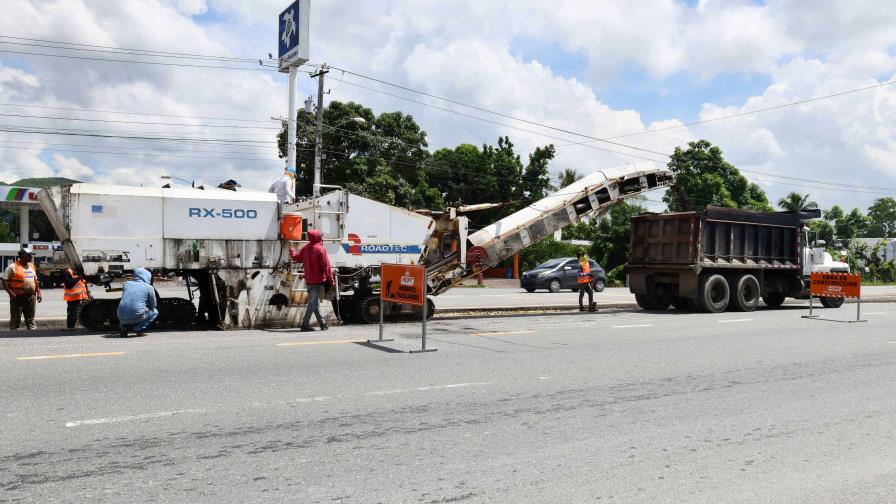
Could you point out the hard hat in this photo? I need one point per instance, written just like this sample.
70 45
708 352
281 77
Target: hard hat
26 251
291 169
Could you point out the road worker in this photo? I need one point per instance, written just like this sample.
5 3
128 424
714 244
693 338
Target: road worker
585 280
75 294
284 187
318 276
137 308
20 282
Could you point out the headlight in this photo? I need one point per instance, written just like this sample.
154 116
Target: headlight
546 273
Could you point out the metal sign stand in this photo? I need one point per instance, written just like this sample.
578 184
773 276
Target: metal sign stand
425 316
380 339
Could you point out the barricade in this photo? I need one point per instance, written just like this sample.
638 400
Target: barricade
835 285
405 284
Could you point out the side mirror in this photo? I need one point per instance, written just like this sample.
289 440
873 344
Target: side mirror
820 243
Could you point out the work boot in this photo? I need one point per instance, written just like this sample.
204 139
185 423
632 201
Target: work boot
581 308
592 307
306 329
140 333
324 327
124 332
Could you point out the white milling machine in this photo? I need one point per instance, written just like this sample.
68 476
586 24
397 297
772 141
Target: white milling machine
227 245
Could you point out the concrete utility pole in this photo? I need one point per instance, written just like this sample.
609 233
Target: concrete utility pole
320 128
291 127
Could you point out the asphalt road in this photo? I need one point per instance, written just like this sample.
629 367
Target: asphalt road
462 298
624 406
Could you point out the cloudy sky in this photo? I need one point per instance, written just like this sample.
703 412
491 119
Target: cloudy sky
602 69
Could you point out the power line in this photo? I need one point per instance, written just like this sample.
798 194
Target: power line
136 137
500 114
78 109
124 50
586 144
757 111
138 154
137 122
261 68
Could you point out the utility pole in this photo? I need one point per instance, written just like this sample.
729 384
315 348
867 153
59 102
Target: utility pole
320 128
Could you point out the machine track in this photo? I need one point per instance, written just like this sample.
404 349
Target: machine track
101 314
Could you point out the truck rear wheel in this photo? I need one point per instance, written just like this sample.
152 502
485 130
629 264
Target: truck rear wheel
714 294
651 301
830 302
774 299
745 293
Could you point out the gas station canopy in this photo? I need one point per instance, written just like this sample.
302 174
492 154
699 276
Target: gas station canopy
12 197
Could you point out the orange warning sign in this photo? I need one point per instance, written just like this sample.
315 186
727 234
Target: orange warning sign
845 285
402 283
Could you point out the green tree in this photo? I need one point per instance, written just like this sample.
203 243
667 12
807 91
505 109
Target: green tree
834 214
882 217
612 235
851 225
703 177
568 176
796 202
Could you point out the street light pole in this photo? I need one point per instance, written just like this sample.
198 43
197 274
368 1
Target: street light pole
291 127
320 128
169 177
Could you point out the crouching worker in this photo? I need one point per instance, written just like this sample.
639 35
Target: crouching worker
318 276
137 308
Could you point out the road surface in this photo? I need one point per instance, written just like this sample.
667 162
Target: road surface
499 298
617 406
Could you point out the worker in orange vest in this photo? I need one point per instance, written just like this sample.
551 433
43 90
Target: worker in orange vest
75 295
20 282
584 282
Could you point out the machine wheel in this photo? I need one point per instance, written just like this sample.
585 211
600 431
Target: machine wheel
95 313
599 285
651 301
176 311
745 293
774 299
831 302
530 289
714 294
430 310
680 303
369 310
554 286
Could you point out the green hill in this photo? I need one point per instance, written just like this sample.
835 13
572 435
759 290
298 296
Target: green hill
44 182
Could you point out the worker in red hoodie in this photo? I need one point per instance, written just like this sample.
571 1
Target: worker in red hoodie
318 276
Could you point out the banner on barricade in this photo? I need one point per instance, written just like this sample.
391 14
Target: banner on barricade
402 283
845 285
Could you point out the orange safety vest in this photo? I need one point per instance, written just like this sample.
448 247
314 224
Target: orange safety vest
585 274
78 291
17 282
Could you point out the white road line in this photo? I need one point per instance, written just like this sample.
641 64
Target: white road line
315 399
421 389
128 418
875 313
545 377
734 320
627 326
501 333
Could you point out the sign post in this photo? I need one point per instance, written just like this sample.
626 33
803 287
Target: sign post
404 284
292 52
836 285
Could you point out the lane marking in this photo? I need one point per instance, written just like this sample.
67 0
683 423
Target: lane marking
501 333
422 389
734 320
326 342
70 356
627 326
545 377
875 313
316 399
128 418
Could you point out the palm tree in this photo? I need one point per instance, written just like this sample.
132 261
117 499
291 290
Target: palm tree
568 176
795 202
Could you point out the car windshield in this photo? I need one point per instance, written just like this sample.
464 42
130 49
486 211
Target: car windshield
553 263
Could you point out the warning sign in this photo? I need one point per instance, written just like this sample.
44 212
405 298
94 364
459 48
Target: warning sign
402 283
845 285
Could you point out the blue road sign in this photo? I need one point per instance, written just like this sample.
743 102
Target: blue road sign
289 29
